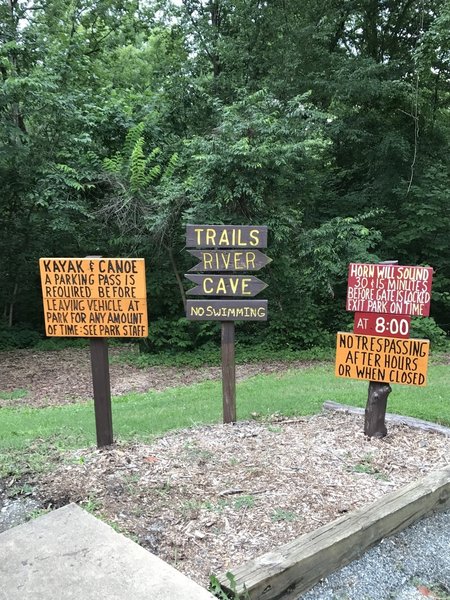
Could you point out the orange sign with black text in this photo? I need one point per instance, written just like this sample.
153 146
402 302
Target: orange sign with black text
94 297
384 359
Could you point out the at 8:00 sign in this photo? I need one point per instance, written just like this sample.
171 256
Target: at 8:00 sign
382 324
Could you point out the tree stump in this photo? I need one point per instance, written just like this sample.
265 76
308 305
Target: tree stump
375 413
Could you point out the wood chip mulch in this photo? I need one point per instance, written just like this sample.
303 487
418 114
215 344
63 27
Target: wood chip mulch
210 498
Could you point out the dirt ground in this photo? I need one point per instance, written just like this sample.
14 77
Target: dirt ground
64 376
209 498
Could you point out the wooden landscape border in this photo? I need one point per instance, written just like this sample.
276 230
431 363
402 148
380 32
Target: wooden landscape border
295 567
390 418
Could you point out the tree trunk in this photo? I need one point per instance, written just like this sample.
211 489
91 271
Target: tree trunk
375 413
12 304
177 276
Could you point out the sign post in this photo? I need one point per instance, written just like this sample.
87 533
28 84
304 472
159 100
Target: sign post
228 372
102 391
230 249
98 298
384 296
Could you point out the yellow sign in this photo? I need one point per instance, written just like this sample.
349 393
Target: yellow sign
384 359
94 297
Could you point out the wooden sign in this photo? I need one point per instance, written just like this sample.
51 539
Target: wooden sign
225 285
382 359
391 289
229 260
227 248
226 310
226 236
94 297
382 324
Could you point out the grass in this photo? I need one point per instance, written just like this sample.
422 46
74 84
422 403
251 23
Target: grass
14 394
210 355
145 415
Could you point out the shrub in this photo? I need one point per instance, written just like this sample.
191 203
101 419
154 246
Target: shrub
18 336
427 328
178 335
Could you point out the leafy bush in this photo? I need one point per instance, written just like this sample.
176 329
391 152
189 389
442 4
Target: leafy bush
59 343
297 332
426 327
18 336
178 335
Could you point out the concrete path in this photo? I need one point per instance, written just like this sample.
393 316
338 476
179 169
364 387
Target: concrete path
70 555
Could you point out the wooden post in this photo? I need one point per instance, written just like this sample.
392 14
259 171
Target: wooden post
375 413
228 372
102 391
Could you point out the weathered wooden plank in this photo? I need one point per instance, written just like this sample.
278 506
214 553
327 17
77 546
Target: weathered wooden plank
390 418
226 236
229 260
295 567
225 285
226 310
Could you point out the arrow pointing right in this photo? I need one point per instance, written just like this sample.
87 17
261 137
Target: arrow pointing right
229 260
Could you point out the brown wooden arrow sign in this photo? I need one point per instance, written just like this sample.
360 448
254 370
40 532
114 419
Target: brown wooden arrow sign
229 260
225 285
226 236
226 310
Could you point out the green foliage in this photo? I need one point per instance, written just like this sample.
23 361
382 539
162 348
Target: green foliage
176 336
329 123
59 343
426 328
209 354
254 162
302 331
280 514
216 589
18 393
18 336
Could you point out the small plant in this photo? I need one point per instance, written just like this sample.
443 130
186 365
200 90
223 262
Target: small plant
92 504
283 515
20 490
13 395
381 476
440 592
36 513
366 466
274 428
436 591
164 489
218 507
246 501
190 508
216 589
195 452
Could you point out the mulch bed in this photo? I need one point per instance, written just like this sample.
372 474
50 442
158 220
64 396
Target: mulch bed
210 498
